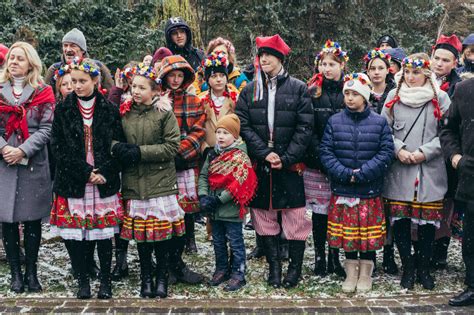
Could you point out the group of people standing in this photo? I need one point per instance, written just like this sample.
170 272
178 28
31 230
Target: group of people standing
363 161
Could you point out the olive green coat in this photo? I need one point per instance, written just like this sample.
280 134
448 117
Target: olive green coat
155 130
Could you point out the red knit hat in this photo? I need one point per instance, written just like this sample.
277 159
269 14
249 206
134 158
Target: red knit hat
3 53
160 54
451 43
273 45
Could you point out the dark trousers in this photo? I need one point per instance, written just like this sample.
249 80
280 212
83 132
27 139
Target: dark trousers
362 255
468 244
223 231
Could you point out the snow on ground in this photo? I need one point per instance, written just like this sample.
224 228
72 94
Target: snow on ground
57 281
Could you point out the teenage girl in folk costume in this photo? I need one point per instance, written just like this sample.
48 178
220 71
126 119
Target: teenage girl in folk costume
377 64
26 115
325 88
356 150
149 178
87 206
176 76
417 181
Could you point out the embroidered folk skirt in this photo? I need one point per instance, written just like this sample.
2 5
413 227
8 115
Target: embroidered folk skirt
359 226
317 190
419 212
187 187
153 220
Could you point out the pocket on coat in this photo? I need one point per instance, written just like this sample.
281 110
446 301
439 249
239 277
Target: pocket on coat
398 125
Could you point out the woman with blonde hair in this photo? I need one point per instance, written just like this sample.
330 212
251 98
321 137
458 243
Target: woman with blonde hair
26 115
417 181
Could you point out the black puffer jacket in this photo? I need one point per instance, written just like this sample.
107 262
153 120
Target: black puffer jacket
68 147
292 134
329 103
192 55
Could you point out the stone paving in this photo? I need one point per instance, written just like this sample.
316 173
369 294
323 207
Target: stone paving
431 303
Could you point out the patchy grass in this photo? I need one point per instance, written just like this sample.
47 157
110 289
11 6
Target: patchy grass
57 281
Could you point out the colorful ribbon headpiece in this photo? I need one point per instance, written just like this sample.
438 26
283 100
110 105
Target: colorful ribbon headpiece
65 68
215 59
376 53
334 48
147 72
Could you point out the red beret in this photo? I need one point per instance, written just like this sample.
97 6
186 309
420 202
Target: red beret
274 45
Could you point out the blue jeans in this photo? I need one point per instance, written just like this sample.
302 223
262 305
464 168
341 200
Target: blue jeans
223 232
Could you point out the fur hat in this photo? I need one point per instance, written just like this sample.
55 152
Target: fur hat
75 36
358 82
231 123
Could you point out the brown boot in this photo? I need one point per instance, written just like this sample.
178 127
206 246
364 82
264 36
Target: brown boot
351 267
364 283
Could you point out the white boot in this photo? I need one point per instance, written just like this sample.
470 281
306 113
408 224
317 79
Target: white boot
352 274
364 283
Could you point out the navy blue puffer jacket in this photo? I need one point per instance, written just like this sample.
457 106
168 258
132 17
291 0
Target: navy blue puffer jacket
357 140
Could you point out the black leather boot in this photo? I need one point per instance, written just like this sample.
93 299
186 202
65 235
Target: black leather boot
104 249
11 242
296 253
440 253
178 269
258 251
191 247
408 275
32 244
121 266
92 269
389 266
79 250
320 223
334 265
147 289
284 249
272 253
70 251
426 235
466 298
162 265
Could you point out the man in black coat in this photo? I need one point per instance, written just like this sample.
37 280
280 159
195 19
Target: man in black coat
179 39
457 142
276 122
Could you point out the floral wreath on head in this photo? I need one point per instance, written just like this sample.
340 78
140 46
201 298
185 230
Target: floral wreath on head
127 73
80 64
64 69
334 48
376 53
215 59
416 63
356 76
147 72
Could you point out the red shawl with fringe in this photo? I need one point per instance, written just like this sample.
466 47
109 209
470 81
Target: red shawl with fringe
232 170
17 120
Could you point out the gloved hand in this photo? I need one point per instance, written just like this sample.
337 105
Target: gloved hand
128 154
209 204
180 163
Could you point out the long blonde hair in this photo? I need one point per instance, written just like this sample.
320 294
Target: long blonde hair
33 77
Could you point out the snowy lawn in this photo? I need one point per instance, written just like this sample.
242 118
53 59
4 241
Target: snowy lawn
57 281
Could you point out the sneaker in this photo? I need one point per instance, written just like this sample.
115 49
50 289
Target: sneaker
234 284
218 278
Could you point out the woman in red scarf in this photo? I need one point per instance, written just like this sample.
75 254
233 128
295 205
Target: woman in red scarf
26 114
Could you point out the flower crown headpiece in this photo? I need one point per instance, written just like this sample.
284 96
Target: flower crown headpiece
127 73
147 72
66 68
215 59
376 53
332 48
80 64
415 63
356 76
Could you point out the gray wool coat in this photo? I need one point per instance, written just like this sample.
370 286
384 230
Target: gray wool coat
26 190
399 182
